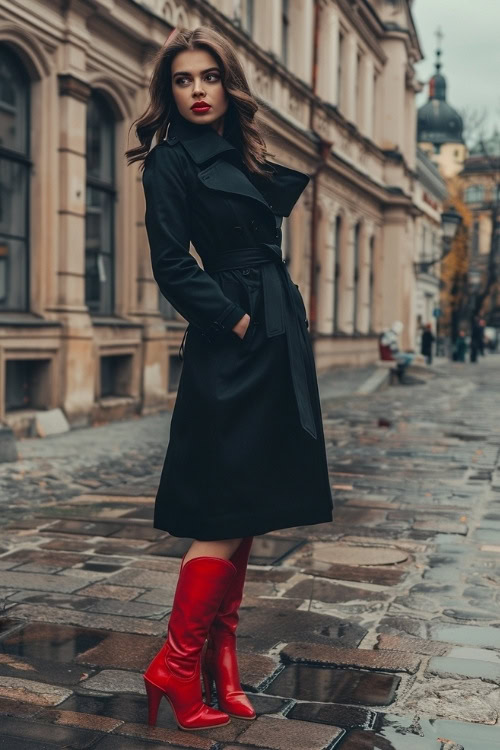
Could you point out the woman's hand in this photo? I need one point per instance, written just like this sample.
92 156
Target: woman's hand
241 326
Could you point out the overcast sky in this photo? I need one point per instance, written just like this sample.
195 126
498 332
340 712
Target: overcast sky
471 51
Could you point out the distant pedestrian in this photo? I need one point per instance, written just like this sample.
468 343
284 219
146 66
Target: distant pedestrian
476 339
481 342
460 348
428 339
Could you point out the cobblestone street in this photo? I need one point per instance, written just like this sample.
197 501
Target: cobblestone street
380 631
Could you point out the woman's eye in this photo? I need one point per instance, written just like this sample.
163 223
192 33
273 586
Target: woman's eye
182 79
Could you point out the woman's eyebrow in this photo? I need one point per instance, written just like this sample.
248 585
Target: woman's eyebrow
187 73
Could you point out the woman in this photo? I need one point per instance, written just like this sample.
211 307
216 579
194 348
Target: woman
246 453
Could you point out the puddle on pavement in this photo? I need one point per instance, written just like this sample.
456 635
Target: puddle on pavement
405 733
346 717
335 685
265 550
269 551
7 624
51 642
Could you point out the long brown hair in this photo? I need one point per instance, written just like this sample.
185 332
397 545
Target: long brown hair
240 127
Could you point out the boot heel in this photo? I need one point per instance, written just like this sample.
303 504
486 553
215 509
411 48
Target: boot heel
154 697
207 685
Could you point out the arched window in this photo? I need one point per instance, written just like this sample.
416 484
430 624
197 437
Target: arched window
474 194
336 272
14 182
100 198
355 295
372 283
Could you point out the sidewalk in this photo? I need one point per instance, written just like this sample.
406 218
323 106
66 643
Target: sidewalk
378 631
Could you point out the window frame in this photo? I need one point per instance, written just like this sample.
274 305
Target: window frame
23 158
109 189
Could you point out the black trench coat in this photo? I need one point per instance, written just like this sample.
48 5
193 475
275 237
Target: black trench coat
246 453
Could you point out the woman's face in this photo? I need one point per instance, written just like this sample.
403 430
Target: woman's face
196 78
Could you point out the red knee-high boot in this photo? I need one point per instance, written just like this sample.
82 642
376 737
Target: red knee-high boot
220 663
175 670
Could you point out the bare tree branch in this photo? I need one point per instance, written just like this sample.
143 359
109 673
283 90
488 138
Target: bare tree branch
474 120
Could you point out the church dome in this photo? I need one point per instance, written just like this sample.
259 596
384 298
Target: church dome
437 121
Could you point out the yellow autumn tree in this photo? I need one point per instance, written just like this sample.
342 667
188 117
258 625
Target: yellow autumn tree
455 265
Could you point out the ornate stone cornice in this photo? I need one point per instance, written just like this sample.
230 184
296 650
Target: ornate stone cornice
69 85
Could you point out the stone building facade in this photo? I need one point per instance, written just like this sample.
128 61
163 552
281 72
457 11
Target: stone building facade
430 194
480 178
82 325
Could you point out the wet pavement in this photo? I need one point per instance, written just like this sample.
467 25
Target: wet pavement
380 631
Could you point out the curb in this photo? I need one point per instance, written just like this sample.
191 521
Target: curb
376 380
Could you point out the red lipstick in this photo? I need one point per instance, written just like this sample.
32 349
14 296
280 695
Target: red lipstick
200 107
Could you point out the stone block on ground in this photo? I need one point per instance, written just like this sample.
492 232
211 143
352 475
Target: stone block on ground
30 691
123 651
47 735
8 448
169 737
445 666
463 700
411 644
276 734
255 669
49 422
115 681
388 661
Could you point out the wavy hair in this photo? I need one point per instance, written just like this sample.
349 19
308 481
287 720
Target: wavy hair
240 126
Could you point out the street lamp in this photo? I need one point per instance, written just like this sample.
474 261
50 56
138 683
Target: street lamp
450 222
474 279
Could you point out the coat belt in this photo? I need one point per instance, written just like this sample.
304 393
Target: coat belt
281 315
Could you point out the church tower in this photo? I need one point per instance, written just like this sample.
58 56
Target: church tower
439 126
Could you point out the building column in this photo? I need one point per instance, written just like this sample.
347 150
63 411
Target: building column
301 38
326 279
396 272
346 287
348 104
378 263
393 124
328 53
366 122
363 313
78 361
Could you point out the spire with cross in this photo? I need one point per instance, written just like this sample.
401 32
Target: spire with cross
439 39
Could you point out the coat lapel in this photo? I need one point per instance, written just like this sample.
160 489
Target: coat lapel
226 177
203 143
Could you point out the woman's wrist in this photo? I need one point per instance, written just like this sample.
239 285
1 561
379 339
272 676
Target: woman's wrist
242 325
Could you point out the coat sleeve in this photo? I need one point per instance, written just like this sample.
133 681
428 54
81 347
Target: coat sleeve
190 289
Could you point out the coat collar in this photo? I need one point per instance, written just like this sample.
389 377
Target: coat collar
201 141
